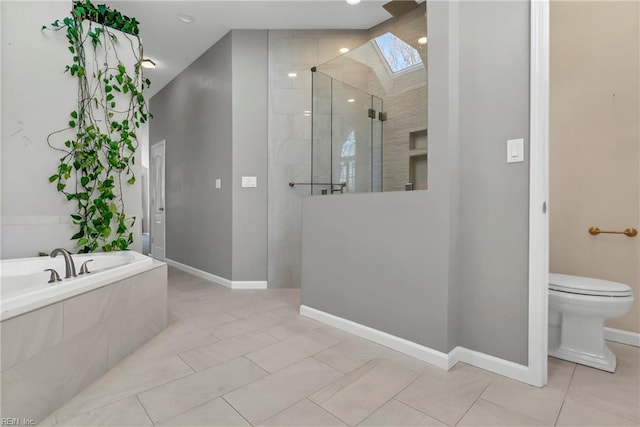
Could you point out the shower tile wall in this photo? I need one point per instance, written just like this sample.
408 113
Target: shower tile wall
293 51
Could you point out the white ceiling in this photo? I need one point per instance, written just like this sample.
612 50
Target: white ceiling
173 45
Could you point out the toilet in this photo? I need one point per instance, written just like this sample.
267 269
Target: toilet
578 307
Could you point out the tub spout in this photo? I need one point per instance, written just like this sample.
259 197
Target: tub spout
69 266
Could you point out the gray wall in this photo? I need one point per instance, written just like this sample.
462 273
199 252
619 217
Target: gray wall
379 259
249 105
213 117
447 266
494 196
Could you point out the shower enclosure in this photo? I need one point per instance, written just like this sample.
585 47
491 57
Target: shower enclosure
346 138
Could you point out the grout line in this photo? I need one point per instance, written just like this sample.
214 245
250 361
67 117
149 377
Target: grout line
144 409
594 406
331 413
258 366
475 401
566 392
187 363
282 410
236 410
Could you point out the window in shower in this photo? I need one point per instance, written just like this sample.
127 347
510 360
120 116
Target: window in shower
348 162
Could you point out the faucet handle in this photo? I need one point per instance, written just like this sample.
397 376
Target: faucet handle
83 267
55 277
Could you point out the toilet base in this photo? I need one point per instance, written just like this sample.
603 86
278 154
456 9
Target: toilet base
605 361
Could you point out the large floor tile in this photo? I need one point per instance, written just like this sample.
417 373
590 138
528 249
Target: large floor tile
446 396
216 413
292 327
395 413
195 323
484 413
222 351
350 354
286 312
617 393
304 414
186 393
580 415
242 326
542 404
125 412
163 346
266 397
364 395
326 393
123 380
559 374
285 353
242 311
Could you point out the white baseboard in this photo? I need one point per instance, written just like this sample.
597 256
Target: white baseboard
237 284
622 337
441 360
494 364
247 284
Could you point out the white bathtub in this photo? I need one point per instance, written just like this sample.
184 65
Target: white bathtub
24 287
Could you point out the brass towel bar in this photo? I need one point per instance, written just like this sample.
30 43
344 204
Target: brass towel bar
629 232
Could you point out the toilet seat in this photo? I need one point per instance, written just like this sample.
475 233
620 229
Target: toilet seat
587 286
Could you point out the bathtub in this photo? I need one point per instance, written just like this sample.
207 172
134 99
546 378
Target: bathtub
57 338
24 287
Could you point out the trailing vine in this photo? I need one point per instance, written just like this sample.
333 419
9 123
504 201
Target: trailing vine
110 108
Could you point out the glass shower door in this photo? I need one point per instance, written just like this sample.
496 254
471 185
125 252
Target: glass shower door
351 140
346 138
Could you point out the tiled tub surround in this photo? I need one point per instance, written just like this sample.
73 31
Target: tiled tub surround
51 353
24 285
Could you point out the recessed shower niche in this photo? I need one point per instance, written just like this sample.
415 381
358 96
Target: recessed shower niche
369 113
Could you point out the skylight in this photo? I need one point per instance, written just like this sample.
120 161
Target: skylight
399 55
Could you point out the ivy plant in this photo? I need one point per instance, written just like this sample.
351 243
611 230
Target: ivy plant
98 156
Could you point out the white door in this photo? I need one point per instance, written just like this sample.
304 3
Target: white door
157 168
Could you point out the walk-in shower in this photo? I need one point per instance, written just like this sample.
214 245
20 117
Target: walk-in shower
369 115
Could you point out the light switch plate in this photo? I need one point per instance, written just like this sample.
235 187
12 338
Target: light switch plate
515 150
249 181
218 184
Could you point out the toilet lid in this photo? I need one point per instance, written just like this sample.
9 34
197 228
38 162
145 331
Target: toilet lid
587 286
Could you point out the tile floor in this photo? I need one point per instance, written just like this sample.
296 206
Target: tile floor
240 358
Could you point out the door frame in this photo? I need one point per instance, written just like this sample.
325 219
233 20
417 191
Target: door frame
538 194
152 213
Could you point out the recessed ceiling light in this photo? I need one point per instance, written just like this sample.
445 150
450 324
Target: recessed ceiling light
292 75
186 18
147 63
351 100
344 49
307 111
353 2
422 40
